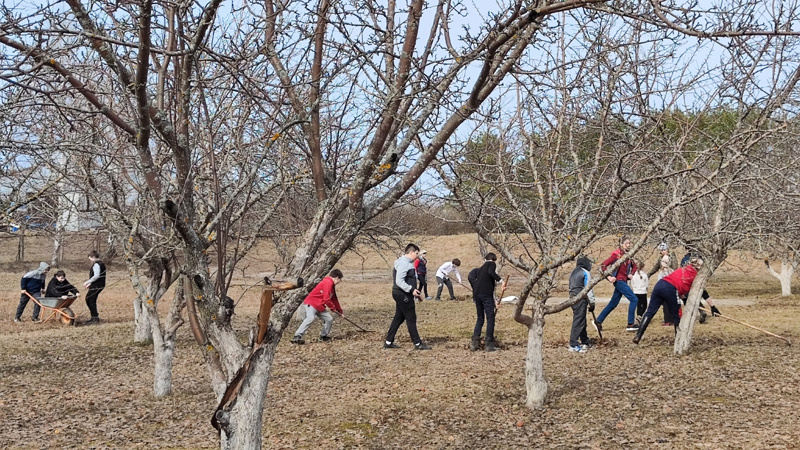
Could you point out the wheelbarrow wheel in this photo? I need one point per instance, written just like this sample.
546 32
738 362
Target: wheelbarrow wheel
66 320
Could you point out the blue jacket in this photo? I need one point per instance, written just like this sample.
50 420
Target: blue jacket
34 281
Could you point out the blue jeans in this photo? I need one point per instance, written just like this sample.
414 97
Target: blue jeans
620 288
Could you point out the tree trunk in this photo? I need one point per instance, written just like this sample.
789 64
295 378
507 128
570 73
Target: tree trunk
55 260
241 424
683 338
535 383
785 276
21 244
142 332
163 353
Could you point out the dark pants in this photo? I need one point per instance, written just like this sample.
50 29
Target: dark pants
577 335
23 302
404 311
442 282
641 305
423 284
91 301
485 307
667 295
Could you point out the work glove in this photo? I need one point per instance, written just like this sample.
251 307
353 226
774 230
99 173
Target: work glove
715 312
591 307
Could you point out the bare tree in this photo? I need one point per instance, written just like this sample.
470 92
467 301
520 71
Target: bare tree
211 118
586 142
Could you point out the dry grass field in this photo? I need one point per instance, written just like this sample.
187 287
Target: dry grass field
91 387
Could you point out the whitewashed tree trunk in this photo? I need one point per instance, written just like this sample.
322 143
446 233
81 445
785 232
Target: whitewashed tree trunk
535 383
785 275
163 356
142 333
683 338
241 424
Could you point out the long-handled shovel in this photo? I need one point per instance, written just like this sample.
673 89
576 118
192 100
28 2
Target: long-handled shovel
502 291
594 318
353 323
748 325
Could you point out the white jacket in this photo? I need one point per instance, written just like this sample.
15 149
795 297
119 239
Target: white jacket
639 282
446 269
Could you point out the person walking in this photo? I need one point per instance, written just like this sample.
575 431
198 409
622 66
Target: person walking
639 284
620 281
318 303
32 283
667 292
485 303
60 287
578 339
95 285
404 282
421 266
443 278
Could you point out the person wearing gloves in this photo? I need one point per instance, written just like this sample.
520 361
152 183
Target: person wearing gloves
578 339
404 290
32 283
318 303
483 294
443 278
668 292
60 287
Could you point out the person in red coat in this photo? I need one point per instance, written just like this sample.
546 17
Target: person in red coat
319 303
668 292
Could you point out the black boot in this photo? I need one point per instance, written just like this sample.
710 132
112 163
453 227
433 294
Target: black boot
475 344
490 345
703 316
643 326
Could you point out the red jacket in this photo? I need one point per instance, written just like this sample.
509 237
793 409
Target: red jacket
324 294
628 268
682 279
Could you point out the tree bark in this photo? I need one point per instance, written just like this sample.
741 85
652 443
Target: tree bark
535 383
241 424
683 338
142 333
785 276
163 355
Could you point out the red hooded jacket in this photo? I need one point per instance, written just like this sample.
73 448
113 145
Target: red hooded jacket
626 269
324 294
682 279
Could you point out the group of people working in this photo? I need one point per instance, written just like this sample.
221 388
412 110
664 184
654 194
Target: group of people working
670 291
33 286
409 282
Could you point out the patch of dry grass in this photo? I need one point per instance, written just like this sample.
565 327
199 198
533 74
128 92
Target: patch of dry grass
80 387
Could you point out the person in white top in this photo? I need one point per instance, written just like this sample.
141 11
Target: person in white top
443 277
639 282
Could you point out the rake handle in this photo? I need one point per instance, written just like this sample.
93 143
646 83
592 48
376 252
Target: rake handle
748 325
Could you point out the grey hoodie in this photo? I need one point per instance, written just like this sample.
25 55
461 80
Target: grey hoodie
34 280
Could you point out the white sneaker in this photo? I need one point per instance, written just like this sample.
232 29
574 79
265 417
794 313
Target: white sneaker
578 348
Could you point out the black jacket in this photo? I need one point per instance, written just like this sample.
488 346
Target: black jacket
57 288
486 279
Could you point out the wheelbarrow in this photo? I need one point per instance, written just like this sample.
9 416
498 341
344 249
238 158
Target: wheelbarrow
58 307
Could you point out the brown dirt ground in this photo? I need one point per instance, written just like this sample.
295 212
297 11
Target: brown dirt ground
91 387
